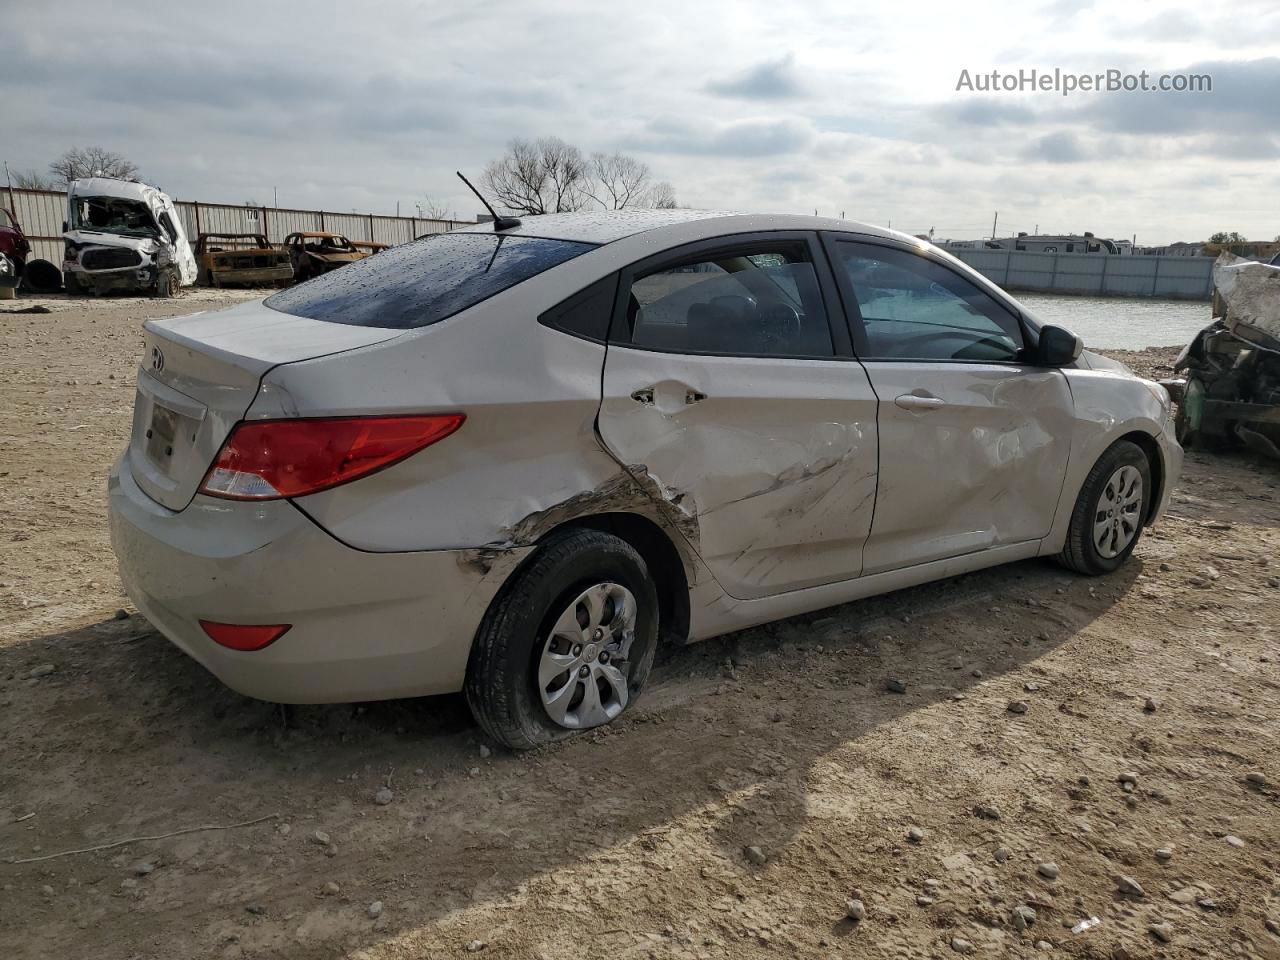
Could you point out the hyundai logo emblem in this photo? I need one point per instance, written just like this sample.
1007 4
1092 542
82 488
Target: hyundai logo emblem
157 359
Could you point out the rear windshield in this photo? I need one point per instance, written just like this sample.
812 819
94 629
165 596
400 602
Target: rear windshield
423 282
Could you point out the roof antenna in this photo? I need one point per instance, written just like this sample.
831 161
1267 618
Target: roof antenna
499 223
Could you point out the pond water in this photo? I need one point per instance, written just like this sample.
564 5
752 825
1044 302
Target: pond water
1121 323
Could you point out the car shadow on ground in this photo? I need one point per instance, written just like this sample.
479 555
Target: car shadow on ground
128 737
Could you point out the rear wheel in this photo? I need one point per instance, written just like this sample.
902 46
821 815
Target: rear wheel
1106 523
568 643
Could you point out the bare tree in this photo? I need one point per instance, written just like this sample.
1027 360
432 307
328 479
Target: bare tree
550 176
31 180
433 209
618 181
91 162
662 196
545 175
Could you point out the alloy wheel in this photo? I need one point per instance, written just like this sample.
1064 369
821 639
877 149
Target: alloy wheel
582 672
1117 516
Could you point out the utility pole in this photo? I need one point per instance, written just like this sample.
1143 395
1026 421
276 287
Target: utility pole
993 224
275 198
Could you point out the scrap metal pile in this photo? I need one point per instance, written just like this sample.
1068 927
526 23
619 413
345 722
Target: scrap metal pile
1231 391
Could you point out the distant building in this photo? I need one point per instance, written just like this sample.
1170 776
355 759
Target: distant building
1054 243
1179 249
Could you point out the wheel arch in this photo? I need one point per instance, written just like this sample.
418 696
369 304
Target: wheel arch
662 557
1155 460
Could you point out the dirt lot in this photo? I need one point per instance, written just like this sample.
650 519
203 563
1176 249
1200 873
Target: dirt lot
633 842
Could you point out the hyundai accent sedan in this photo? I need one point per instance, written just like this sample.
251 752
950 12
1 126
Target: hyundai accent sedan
513 462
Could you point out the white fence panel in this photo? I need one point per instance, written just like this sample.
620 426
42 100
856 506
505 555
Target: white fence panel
1180 278
41 213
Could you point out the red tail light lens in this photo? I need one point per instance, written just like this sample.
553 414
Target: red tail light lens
236 636
271 459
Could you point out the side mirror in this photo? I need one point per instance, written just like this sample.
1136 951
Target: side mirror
1058 347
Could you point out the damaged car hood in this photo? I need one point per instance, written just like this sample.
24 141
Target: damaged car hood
1250 292
145 245
1096 361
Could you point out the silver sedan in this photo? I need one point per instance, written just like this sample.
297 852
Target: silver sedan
514 461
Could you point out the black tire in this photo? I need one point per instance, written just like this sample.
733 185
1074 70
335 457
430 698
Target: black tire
166 285
501 685
1080 552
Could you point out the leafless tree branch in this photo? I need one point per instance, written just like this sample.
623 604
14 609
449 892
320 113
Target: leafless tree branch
550 176
91 162
31 180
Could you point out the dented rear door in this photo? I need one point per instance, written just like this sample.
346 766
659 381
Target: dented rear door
723 384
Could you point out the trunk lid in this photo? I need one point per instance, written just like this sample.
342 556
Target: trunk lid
198 376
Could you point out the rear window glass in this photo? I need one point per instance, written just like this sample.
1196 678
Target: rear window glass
423 282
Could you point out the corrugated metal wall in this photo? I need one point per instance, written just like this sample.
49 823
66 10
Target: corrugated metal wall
1180 278
41 212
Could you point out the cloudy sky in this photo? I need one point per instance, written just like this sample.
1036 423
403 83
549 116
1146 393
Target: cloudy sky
841 107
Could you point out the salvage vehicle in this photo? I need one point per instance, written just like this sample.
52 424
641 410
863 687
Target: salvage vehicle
13 242
315 252
1231 391
511 460
251 260
370 247
124 235
8 278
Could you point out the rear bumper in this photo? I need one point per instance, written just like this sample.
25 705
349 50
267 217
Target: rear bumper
365 626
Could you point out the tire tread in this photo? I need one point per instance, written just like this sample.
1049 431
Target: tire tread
1075 553
484 688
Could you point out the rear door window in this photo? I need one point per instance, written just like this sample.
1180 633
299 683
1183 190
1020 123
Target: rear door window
758 300
424 282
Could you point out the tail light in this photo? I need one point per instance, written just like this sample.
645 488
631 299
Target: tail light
272 459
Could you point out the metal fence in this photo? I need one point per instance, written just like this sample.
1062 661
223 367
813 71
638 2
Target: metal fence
41 213
1096 274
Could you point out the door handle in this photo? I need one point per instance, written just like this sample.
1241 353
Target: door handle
911 401
644 396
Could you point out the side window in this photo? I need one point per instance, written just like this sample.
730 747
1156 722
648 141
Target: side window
915 309
586 313
752 301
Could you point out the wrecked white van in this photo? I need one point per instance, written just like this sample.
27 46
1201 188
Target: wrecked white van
124 235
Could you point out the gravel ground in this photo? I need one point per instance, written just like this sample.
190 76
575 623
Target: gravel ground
981 765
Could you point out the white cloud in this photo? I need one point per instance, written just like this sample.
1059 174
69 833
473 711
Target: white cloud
740 105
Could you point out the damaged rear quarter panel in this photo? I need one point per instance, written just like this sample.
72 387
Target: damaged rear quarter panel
527 458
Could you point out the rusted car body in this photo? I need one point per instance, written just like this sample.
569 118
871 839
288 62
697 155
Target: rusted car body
370 247
313 252
248 259
13 242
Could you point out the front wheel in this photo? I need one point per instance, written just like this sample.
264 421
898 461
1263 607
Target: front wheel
568 643
166 286
1109 512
